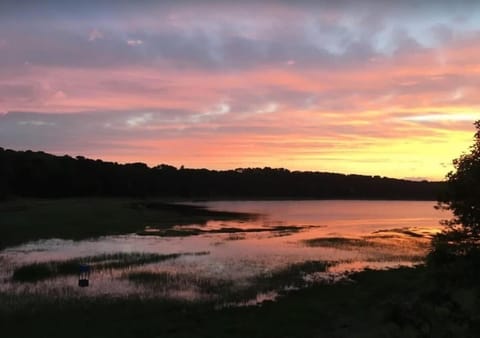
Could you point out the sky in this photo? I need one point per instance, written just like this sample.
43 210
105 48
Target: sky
388 88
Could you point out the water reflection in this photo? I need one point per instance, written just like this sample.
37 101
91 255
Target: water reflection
350 235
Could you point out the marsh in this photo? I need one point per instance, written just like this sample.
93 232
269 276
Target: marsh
227 245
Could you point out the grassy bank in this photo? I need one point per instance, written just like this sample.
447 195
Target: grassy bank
80 218
397 303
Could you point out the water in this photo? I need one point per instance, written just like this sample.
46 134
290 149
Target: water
351 235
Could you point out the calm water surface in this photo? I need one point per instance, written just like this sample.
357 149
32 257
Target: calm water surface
351 235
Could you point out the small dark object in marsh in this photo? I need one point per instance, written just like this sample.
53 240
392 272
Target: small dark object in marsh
84 275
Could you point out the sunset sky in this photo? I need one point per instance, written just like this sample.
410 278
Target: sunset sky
365 87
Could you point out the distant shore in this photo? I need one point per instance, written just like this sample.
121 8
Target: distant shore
38 174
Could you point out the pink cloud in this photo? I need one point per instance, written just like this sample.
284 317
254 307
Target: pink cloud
226 89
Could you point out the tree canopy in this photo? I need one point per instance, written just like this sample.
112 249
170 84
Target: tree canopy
461 236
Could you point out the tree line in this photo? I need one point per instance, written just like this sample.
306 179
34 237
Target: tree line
38 174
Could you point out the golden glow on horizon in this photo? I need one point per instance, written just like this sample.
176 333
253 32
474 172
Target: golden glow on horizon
415 158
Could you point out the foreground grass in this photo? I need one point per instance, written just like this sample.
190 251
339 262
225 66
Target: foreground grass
180 281
38 271
79 218
226 291
397 303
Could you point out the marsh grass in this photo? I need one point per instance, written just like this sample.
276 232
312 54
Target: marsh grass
338 241
38 271
381 241
403 302
386 257
235 237
227 291
279 282
179 281
80 218
291 276
184 231
403 231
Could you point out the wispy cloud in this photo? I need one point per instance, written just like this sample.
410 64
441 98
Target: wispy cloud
134 42
35 123
136 121
444 117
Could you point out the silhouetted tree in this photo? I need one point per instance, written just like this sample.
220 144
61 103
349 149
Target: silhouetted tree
459 242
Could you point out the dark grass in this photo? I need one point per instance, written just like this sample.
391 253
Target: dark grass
339 241
38 271
185 232
403 302
226 290
345 242
80 218
404 231
279 281
179 281
416 259
290 276
235 237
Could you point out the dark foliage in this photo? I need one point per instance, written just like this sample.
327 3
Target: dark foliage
458 245
37 174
